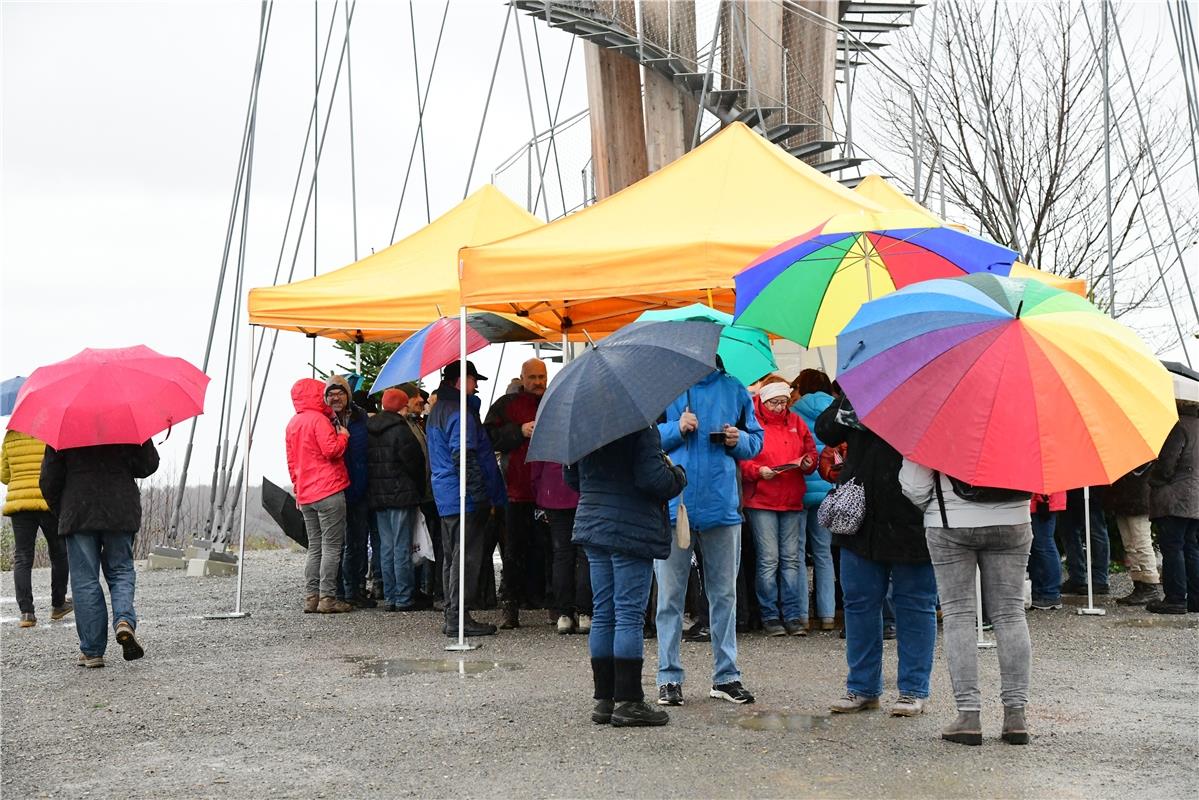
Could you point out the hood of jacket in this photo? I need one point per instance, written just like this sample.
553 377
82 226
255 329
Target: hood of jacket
308 394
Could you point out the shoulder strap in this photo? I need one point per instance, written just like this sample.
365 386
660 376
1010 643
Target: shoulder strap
940 498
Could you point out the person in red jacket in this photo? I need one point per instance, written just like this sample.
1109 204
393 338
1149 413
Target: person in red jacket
316 444
1044 562
773 493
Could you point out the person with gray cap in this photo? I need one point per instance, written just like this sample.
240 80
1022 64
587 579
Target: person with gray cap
354 564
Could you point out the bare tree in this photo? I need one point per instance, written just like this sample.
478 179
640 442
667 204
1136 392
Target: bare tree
1013 127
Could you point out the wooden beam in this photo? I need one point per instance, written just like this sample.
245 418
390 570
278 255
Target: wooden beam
617 124
669 111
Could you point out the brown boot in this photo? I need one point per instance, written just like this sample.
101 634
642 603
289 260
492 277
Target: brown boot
310 603
331 605
511 617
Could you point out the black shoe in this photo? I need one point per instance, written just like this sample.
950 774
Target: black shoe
888 631
841 634
1141 594
362 601
1166 607
734 692
796 627
670 694
1080 588
602 713
772 627
697 633
636 714
390 607
511 617
470 628
649 632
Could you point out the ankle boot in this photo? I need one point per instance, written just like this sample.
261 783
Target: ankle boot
637 714
1141 594
1015 731
511 616
603 674
966 729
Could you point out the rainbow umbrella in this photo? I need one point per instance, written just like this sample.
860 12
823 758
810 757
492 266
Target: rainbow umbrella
807 288
425 352
1005 382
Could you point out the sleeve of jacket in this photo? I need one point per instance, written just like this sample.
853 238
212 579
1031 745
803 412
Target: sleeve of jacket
1167 461
53 478
496 490
672 438
331 442
5 471
651 473
749 443
504 436
144 462
917 483
410 456
831 432
809 444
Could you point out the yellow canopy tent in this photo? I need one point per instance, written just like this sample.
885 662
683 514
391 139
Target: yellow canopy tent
674 238
390 294
880 191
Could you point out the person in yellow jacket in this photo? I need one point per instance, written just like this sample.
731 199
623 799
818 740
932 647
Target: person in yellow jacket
20 470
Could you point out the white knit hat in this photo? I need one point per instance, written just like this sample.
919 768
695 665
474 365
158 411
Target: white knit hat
773 390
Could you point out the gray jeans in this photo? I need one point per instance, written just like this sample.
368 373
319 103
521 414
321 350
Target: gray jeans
476 523
325 523
1000 552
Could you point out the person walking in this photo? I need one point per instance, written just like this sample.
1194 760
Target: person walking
316 444
811 394
1174 507
20 469
571 575
1128 501
889 546
990 535
708 429
94 494
773 490
623 523
484 490
354 562
1044 560
396 485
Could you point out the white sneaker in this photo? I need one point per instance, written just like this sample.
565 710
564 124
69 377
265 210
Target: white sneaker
584 625
565 624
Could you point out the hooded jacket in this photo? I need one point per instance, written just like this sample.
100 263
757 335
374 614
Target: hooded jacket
785 440
20 469
484 484
1129 496
355 454
1174 479
504 421
712 494
315 450
395 462
95 488
809 407
550 487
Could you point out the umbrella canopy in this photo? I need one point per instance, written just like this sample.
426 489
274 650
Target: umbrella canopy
744 351
279 503
120 395
1186 381
425 352
1005 382
807 288
8 394
620 386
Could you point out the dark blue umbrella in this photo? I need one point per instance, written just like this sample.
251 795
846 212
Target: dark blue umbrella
8 394
620 386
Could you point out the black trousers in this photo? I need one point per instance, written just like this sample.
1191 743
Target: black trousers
25 525
571 572
526 553
476 522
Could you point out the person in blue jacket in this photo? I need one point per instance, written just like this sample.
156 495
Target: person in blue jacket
484 489
352 570
707 430
815 393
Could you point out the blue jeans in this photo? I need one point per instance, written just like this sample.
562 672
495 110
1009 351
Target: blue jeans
395 553
88 553
914 590
376 565
721 548
353 554
778 538
1044 562
820 542
1178 538
619 591
1073 533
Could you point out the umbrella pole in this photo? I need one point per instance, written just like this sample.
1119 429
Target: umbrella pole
983 644
462 644
237 613
1090 610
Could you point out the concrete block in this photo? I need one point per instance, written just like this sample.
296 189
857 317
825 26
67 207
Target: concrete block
166 558
207 567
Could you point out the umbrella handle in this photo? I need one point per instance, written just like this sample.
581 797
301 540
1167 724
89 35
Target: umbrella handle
861 346
170 427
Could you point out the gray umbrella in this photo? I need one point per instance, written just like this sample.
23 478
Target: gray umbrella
620 386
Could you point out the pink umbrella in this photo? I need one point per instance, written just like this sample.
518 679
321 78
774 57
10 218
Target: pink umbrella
120 395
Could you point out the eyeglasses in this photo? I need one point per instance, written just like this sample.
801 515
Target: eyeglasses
777 401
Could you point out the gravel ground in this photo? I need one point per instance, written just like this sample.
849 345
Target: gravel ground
292 705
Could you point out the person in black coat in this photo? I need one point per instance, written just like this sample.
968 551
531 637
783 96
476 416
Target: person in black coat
396 480
623 522
94 494
890 547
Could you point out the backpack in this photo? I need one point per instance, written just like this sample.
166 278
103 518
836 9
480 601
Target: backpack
975 494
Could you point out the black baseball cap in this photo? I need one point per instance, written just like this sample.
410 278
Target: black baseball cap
453 371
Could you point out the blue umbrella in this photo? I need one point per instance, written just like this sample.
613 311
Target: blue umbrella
620 386
8 394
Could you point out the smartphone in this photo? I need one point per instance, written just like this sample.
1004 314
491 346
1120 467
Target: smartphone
716 437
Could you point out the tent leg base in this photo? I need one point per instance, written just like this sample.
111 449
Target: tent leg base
230 615
1091 612
462 646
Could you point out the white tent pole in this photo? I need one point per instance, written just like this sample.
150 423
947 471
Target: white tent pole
1090 610
463 422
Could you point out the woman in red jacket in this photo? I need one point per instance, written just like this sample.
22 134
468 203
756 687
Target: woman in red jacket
773 491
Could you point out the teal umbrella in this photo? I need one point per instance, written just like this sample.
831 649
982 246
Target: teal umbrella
745 351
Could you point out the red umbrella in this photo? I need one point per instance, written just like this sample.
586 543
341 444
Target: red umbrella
120 395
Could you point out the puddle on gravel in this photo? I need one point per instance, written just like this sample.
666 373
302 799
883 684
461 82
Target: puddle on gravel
1174 621
774 721
374 667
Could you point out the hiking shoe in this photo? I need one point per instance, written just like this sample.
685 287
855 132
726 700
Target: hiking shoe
888 632
1041 604
1155 607
331 605
565 624
636 714
966 729
470 627
772 627
584 624
697 633
670 694
796 627
363 601
58 612
1015 731
28 620
852 703
826 623
91 662
602 713
130 648
907 705
1141 594
733 691
310 603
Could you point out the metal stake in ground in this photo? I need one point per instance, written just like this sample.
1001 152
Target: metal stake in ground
461 644
1090 610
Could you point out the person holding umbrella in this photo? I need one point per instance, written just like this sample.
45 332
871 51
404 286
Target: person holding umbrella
1174 506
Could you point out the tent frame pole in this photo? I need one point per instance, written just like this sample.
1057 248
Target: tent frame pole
463 422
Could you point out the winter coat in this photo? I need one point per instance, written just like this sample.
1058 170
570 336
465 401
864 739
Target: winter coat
315 449
1129 496
484 484
809 407
892 528
1049 502
503 424
356 454
95 488
623 490
1174 479
920 487
550 487
20 468
712 480
785 440
395 462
